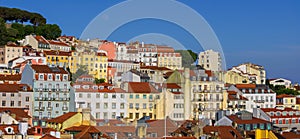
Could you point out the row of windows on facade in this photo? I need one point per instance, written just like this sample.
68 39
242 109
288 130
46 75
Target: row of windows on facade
113 96
106 105
49 104
287 121
13 103
113 115
263 98
206 97
285 113
86 59
53 95
137 96
50 86
140 115
262 106
57 77
13 50
13 95
137 106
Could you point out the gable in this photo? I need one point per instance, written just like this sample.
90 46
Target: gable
225 121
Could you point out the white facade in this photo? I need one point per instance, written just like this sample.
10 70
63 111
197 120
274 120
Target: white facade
210 60
281 81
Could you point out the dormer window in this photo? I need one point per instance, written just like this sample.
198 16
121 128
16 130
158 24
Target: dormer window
243 90
65 77
57 77
41 77
101 87
250 90
110 87
85 87
77 86
9 130
95 87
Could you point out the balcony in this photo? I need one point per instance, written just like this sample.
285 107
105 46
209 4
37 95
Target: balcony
39 108
49 108
64 108
259 101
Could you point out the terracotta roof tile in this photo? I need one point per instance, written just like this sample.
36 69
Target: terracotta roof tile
241 86
54 42
41 39
254 120
48 136
14 126
154 68
14 88
285 96
20 113
141 87
47 69
224 132
16 77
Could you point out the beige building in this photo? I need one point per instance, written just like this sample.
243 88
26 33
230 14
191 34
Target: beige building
37 42
10 52
210 60
246 73
170 60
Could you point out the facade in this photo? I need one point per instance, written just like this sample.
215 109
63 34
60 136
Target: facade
148 54
232 77
236 102
141 98
170 60
37 42
16 96
12 51
210 60
285 118
57 58
51 88
70 40
59 46
259 96
105 101
281 82
254 73
286 101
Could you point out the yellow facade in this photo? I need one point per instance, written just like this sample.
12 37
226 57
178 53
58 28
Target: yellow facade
58 58
232 77
170 60
141 104
95 63
264 134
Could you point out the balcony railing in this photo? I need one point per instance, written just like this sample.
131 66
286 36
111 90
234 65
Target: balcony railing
39 108
51 90
259 101
64 108
49 108
51 99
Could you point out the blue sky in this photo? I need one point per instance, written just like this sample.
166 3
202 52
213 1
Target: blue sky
263 32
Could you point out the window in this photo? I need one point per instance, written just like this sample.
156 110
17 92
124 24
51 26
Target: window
97 95
105 105
122 96
144 106
27 99
56 105
3 102
131 96
89 105
97 115
12 94
113 115
97 105
105 115
41 77
122 106
3 94
144 96
137 96
114 96
113 105
89 95
49 76
12 103
57 77
130 115
19 103
130 105
80 95
137 105
105 95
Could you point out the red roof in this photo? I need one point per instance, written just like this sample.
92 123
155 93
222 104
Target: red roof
41 39
14 88
154 68
54 42
285 96
62 118
14 126
85 132
48 136
254 120
277 110
241 86
16 77
224 132
58 53
209 73
47 69
141 87
20 113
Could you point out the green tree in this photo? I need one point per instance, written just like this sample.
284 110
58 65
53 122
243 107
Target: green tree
28 29
20 29
82 70
49 31
3 32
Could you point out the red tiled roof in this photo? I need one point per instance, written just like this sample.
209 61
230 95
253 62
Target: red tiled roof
54 42
48 136
297 100
62 118
141 87
14 126
241 86
14 88
158 126
154 68
178 138
47 69
224 132
16 77
209 73
41 39
85 132
58 53
290 135
285 96
173 86
254 120
277 110
20 113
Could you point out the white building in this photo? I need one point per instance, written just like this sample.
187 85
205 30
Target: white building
281 81
210 60
105 101
259 96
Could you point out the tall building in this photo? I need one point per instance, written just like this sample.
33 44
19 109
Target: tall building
51 91
210 60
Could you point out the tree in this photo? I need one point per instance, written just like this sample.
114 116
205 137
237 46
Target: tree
82 70
188 57
20 29
49 31
28 29
3 32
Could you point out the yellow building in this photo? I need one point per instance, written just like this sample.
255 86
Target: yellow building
170 60
82 117
141 100
58 58
95 62
286 101
232 77
264 134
